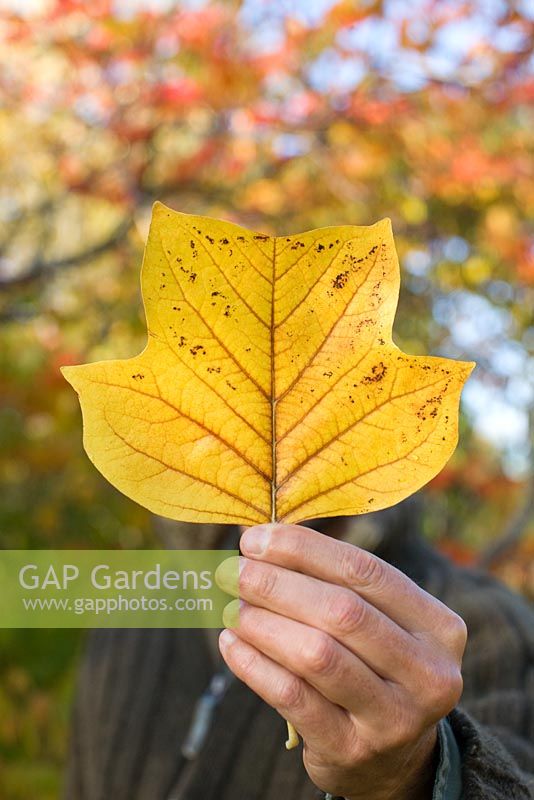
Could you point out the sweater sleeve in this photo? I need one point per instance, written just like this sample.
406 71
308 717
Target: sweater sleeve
493 724
488 771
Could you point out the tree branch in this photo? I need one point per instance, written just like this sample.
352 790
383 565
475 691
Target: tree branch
39 268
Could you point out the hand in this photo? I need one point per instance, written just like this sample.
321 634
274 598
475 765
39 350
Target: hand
356 656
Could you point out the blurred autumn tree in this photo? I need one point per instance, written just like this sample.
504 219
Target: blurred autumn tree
282 117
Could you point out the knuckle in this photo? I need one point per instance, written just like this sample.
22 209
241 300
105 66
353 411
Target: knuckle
346 613
287 541
290 693
457 632
320 654
456 686
444 687
358 567
246 663
260 579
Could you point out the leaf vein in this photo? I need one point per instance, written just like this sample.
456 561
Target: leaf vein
181 413
328 334
355 478
183 472
230 284
315 282
357 422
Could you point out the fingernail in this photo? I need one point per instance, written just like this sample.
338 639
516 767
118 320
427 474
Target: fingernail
256 540
227 575
230 614
226 638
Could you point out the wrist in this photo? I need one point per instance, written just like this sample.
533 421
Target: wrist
417 773
421 770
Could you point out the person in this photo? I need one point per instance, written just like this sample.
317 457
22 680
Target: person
353 629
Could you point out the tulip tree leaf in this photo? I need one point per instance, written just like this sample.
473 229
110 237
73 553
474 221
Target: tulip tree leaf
270 387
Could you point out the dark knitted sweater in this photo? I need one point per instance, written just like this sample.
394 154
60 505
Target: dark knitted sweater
138 689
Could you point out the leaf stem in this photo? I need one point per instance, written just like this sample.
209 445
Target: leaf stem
292 737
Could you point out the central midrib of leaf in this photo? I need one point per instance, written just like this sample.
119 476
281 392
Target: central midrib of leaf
273 393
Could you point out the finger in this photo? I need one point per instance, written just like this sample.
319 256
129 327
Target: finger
324 663
322 725
385 647
385 587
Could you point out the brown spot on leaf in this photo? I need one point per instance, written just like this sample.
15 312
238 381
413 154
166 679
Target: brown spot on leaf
340 280
430 407
377 373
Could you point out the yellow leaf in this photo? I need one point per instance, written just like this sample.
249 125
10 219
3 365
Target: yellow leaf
270 387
